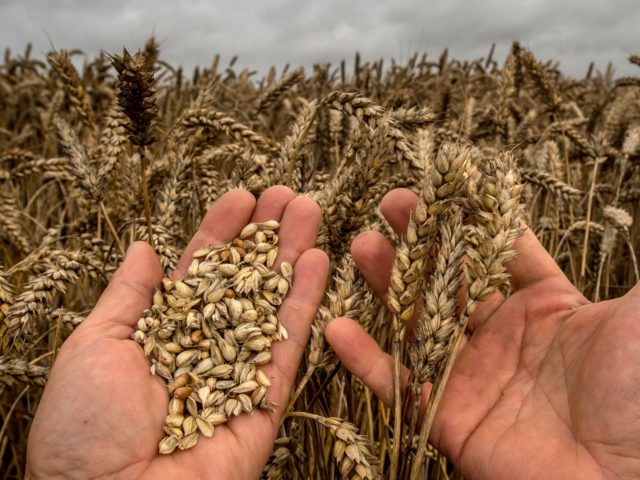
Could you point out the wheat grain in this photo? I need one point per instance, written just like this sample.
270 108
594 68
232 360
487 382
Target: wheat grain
344 138
204 332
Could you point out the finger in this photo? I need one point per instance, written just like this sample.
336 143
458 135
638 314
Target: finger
296 314
533 263
374 256
129 292
363 357
272 203
396 206
222 223
298 229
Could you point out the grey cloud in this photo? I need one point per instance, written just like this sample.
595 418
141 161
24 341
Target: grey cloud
265 33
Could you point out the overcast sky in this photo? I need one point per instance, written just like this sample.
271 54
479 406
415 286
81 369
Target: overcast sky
276 32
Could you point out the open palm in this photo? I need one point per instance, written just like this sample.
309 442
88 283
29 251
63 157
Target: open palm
547 385
102 412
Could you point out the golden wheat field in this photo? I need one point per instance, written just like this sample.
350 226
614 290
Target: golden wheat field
94 158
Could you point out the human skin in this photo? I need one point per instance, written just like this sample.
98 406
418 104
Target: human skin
101 412
546 386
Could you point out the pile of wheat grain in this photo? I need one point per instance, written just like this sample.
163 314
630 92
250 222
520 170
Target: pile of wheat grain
91 160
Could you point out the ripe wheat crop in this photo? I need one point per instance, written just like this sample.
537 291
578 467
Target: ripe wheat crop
129 147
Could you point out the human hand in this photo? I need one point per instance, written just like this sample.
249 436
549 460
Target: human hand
101 413
547 385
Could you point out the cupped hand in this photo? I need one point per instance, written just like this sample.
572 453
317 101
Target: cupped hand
102 412
547 385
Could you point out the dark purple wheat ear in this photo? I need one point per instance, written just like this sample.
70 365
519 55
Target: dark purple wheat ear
137 99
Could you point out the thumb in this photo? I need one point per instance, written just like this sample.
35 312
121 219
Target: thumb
129 292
